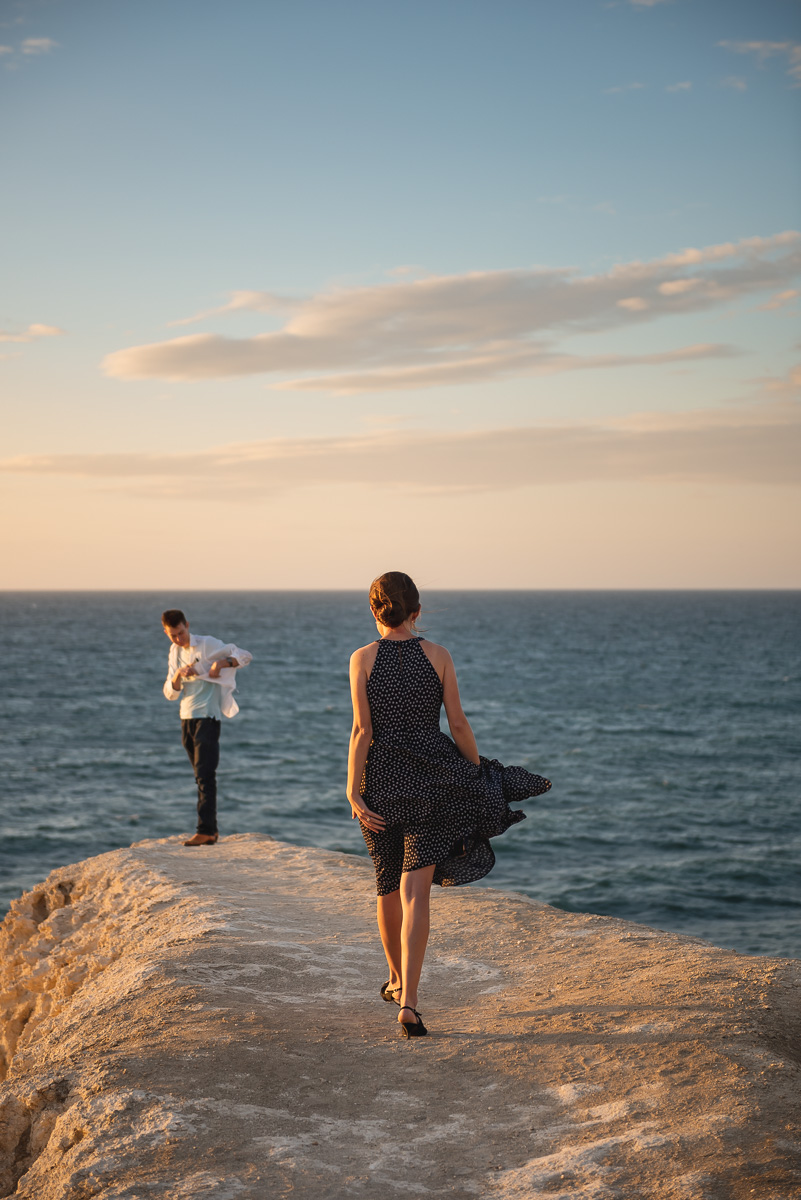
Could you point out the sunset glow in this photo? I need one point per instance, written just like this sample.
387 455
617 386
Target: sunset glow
505 295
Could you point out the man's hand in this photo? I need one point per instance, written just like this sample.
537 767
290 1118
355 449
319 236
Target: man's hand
219 664
181 674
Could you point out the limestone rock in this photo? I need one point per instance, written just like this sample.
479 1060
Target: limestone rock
206 1023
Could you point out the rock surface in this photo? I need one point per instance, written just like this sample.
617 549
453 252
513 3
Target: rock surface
206 1023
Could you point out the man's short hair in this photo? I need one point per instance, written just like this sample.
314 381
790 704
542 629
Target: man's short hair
173 617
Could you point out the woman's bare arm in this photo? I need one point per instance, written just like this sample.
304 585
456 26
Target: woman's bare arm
460 729
360 739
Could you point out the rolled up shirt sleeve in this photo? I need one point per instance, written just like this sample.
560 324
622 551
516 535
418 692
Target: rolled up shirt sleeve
207 648
243 657
168 689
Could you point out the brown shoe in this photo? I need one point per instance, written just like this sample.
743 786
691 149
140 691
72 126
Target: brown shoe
203 839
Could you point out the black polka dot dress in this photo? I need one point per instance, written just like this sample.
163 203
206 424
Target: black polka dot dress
440 808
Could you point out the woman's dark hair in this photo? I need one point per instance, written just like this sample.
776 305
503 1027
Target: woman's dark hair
393 598
173 617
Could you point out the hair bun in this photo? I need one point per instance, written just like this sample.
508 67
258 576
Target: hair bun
394 598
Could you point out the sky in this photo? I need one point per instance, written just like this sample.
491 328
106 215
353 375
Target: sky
502 293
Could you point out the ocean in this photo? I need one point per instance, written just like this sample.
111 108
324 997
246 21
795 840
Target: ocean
667 721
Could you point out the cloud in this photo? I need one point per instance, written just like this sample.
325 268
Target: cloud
251 301
498 366
685 86
623 87
760 444
449 329
6 49
677 287
406 271
32 334
780 300
647 3
756 246
765 50
38 45
785 385
736 82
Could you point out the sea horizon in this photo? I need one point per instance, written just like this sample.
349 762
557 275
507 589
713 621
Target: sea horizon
666 721
363 588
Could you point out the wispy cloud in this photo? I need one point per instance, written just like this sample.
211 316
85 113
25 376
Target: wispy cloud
760 444
493 366
735 82
250 301
458 328
32 333
787 385
684 86
647 3
623 87
780 300
406 272
13 58
38 45
791 51
677 287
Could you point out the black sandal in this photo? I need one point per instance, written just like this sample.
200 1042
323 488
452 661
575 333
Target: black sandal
413 1028
388 993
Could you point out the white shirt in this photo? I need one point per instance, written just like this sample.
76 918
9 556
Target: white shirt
204 649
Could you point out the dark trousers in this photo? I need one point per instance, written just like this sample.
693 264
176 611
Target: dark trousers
201 739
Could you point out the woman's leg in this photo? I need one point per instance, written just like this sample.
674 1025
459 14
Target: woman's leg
386 850
390 914
415 893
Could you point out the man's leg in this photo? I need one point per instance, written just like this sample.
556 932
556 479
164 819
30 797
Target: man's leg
206 759
188 739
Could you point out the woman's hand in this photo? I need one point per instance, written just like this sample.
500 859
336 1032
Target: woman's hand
360 812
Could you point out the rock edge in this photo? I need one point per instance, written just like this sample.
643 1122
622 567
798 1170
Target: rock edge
206 1023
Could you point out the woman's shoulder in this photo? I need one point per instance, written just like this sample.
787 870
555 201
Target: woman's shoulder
365 655
435 652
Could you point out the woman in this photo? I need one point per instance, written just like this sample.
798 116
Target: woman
427 804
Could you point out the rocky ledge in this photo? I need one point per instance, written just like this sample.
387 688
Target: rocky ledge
206 1023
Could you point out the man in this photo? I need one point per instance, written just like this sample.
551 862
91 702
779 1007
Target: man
201 672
